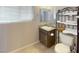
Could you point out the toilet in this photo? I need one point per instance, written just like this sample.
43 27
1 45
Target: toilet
66 41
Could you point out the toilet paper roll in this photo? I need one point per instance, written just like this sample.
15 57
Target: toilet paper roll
51 34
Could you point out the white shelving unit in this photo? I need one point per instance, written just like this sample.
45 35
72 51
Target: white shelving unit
68 18
70 21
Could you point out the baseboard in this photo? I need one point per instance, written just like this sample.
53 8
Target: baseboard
26 46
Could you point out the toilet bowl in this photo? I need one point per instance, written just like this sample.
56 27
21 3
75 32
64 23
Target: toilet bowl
64 46
61 48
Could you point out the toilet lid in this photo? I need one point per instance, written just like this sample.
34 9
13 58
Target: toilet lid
61 48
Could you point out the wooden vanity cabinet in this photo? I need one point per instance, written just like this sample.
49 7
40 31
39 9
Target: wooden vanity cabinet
46 38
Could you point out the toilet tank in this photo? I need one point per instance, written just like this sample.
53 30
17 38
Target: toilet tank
66 39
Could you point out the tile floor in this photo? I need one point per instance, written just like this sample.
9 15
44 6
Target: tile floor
37 48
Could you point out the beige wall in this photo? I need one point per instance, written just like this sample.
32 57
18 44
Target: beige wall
16 35
3 41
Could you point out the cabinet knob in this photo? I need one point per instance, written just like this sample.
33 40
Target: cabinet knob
51 34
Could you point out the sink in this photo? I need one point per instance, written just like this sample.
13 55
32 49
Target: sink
47 28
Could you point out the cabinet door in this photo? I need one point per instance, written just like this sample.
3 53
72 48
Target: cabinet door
51 39
43 37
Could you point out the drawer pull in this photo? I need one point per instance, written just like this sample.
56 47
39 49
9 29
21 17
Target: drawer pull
51 34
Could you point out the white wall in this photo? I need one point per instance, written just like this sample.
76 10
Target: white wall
16 13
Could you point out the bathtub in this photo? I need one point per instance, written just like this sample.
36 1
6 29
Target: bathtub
16 34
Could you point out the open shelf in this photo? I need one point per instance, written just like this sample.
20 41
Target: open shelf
77 16
70 31
68 22
70 13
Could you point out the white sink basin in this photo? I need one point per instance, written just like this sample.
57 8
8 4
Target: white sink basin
47 28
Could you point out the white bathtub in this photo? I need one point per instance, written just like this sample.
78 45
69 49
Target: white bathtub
16 34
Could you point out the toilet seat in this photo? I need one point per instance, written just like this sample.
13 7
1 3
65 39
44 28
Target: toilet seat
61 48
